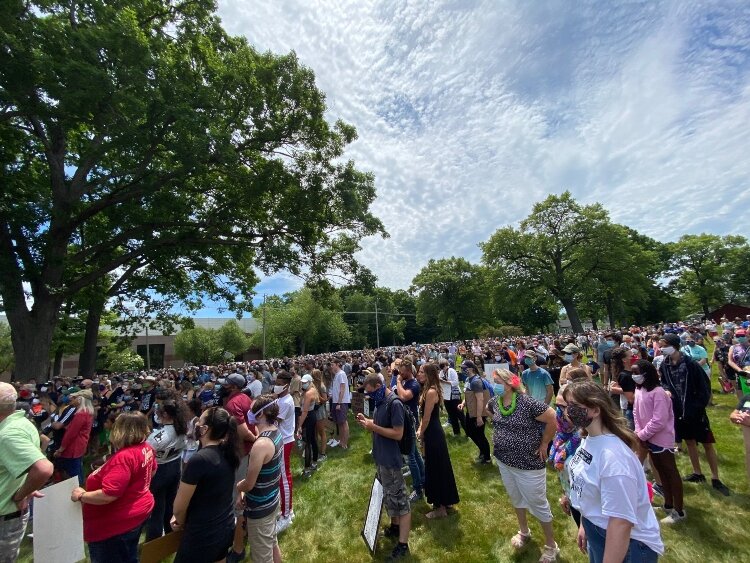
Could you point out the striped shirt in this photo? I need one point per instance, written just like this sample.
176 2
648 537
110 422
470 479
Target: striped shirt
263 499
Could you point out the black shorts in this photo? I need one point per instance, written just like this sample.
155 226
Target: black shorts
205 546
694 427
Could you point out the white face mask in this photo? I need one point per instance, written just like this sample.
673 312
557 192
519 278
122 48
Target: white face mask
279 388
667 350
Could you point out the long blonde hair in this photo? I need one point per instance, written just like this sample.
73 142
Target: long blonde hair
86 405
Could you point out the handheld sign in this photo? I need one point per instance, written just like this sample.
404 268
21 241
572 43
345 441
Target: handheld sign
58 525
372 518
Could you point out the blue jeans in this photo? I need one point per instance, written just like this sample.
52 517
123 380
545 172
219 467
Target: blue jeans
117 549
638 552
73 466
416 466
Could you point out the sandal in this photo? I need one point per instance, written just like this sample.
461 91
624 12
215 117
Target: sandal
520 540
432 515
549 554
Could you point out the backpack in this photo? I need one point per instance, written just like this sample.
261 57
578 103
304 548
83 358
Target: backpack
486 385
406 443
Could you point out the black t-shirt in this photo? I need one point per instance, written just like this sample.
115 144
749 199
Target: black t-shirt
625 380
211 503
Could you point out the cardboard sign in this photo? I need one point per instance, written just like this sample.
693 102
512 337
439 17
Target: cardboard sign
490 368
159 549
372 517
58 525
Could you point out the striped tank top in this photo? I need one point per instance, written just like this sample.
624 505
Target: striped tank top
263 499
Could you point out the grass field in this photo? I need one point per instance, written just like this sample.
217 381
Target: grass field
330 508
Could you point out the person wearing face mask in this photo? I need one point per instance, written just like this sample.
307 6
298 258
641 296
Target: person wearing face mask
452 399
286 419
537 380
148 396
654 426
203 507
408 389
237 404
687 385
738 358
168 441
522 429
387 428
573 356
307 423
476 397
70 454
622 385
607 483
259 489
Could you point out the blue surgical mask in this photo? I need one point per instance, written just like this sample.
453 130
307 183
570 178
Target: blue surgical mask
568 357
610 343
499 389
528 361
742 339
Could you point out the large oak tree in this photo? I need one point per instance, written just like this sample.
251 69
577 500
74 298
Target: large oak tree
134 134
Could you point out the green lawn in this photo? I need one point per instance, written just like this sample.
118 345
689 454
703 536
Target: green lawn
330 509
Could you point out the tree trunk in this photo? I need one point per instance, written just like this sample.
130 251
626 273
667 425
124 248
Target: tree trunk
31 334
610 312
706 312
594 324
572 312
57 364
87 357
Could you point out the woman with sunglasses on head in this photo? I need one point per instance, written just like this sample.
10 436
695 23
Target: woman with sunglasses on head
203 505
607 483
522 429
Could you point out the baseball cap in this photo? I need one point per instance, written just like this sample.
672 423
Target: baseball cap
8 394
307 378
571 349
468 364
741 332
237 380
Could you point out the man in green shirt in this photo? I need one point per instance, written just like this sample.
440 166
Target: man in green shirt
23 470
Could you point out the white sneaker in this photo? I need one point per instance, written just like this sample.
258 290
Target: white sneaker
331 441
334 443
673 517
282 524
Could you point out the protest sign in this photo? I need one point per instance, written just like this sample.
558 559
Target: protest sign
372 518
58 525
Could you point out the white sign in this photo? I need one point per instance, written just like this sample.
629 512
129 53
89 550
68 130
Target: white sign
372 518
490 368
58 525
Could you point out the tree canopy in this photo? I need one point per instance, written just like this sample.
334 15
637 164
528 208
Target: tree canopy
142 138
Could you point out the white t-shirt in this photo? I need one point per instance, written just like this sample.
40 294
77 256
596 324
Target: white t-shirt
452 378
338 379
286 418
607 480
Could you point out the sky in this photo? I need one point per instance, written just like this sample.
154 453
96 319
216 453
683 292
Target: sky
470 111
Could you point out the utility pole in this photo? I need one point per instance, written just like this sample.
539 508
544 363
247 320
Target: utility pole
148 350
264 326
377 328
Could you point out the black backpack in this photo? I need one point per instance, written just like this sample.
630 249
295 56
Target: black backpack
406 443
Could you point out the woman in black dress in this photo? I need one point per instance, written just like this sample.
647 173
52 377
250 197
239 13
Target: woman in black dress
440 484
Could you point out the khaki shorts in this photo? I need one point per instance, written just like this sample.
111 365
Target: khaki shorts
395 497
261 537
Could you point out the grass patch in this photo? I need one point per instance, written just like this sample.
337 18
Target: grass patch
330 508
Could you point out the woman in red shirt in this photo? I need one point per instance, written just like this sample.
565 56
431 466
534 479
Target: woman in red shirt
117 500
75 441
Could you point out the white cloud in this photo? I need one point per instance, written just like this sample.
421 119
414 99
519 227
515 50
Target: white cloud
468 111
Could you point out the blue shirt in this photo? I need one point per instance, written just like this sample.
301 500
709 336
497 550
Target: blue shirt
536 383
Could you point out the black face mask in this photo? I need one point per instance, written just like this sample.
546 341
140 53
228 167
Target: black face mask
223 392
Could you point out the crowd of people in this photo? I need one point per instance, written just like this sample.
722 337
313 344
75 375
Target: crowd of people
206 450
